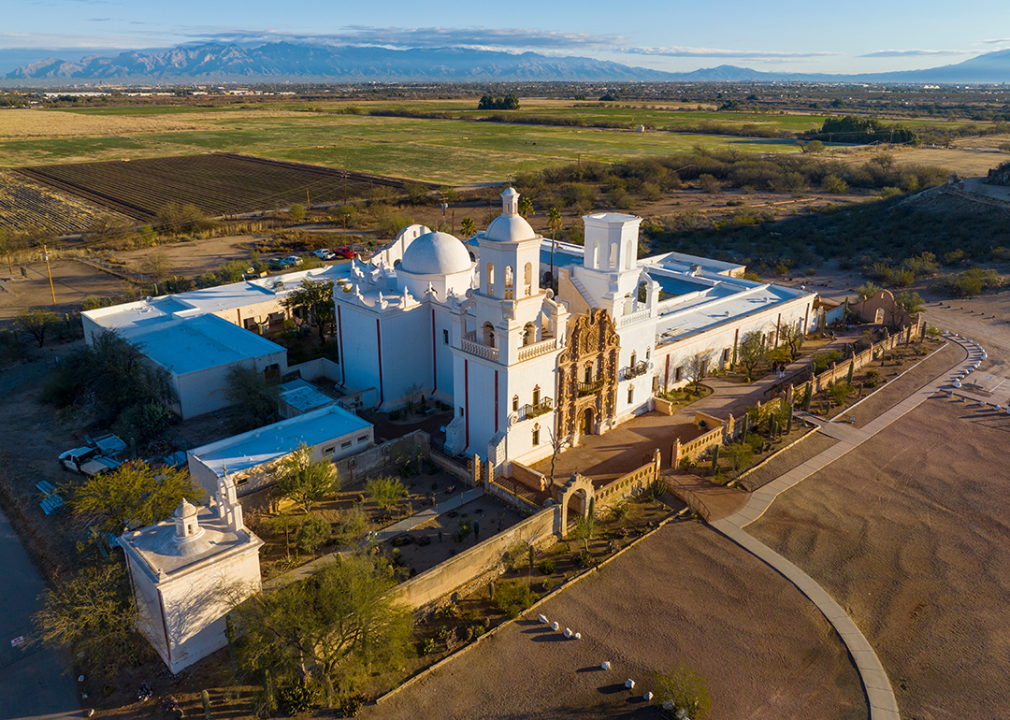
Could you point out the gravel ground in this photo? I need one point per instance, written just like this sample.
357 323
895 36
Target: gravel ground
699 599
909 532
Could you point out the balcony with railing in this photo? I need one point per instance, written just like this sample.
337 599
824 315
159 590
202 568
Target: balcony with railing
632 318
472 345
541 408
633 371
528 352
589 388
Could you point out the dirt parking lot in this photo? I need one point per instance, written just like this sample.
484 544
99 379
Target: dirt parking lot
699 599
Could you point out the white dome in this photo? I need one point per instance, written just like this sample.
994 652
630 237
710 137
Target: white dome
435 253
509 228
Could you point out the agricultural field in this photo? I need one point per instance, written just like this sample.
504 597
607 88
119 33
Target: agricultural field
26 205
218 184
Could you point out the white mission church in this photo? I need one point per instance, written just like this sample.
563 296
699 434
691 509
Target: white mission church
472 325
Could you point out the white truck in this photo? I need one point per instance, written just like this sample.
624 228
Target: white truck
96 457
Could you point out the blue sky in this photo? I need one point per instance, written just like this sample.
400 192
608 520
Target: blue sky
673 35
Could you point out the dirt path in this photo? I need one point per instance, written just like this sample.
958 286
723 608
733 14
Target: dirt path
698 599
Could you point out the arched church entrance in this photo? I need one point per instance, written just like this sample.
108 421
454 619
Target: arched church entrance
586 422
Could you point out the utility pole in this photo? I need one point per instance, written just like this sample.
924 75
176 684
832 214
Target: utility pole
308 205
345 187
49 272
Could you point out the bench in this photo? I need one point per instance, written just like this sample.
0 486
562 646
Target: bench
46 488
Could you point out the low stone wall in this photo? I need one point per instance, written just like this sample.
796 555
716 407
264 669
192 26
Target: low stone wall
633 483
519 503
478 565
529 477
382 458
664 406
451 467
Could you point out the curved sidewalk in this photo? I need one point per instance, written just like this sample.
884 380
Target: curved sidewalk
879 695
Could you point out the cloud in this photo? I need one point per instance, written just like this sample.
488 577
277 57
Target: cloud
423 37
993 42
677 51
913 53
99 19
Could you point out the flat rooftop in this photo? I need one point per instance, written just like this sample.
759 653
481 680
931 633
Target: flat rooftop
192 344
131 318
273 442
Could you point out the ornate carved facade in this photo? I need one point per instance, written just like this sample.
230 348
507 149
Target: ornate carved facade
587 376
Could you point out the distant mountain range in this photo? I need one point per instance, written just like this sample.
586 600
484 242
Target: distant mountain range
297 61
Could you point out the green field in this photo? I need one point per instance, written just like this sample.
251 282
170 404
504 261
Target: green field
442 151
151 109
39 152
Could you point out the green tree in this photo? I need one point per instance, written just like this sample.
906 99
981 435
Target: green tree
910 302
133 495
752 351
329 632
314 531
113 376
253 396
176 218
686 690
386 492
157 265
585 527
526 206
90 612
554 223
740 454
297 213
315 300
304 480
468 228
36 323
867 290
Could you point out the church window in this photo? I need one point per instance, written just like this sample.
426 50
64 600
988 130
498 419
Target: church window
536 395
613 256
528 278
461 411
515 403
648 353
536 434
445 337
631 394
508 276
489 334
490 278
634 359
589 373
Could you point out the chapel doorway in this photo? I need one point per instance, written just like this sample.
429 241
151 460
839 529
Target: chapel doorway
586 422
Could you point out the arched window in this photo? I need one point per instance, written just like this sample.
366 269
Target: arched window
515 403
489 334
509 279
536 434
528 278
648 353
613 256
589 372
536 395
631 395
634 359
490 278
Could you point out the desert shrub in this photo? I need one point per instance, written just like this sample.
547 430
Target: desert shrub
516 557
513 597
313 532
972 282
429 646
840 391
686 690
546 566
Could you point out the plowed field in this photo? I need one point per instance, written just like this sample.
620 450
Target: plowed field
218 183
26 205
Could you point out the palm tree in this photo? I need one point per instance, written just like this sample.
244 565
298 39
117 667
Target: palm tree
468 228
553 224
526 206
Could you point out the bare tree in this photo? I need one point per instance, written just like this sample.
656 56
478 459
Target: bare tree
698 367
791 335
752 351
557 445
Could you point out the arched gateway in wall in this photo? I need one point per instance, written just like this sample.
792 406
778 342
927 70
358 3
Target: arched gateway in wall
578 489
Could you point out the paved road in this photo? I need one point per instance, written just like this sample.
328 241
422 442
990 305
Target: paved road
34 682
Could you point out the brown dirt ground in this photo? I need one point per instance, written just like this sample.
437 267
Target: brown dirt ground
908 533
699 599
811 445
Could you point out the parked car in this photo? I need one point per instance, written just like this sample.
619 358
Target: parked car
96 457
343 252
293 260
279 263
324 254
